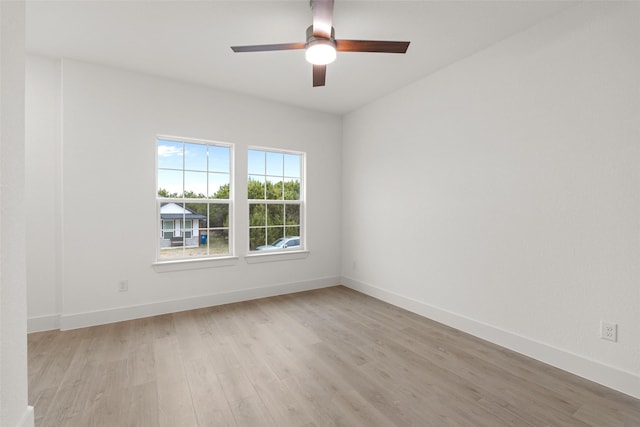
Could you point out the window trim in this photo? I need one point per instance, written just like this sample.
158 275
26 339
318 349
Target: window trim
258 257
194 264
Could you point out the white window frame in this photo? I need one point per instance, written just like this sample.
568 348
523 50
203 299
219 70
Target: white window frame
200 260
277 254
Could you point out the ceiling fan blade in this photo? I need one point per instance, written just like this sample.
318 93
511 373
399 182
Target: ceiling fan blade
319 75
371 46
268 47
322 11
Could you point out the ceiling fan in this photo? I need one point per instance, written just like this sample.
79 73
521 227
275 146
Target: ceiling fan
321 44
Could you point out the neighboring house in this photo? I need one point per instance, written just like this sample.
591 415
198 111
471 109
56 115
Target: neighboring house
180 226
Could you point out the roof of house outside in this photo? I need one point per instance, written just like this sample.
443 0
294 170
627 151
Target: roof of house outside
175 211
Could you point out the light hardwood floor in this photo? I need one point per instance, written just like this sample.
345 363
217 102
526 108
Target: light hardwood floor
331 357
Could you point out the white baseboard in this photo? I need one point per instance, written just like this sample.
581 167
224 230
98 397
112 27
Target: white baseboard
625 382
43 323
101 317
28 419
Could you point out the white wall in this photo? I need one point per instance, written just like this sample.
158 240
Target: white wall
42 191
106 161
14 410
501 195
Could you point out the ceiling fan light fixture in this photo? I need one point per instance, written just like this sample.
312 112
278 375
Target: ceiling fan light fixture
321 52
321 44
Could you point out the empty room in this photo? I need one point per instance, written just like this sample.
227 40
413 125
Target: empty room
319 213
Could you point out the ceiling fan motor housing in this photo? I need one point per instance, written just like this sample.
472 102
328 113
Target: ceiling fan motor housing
311 39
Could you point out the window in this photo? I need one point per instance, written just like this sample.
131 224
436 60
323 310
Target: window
194 198
167 229
188 232
276 200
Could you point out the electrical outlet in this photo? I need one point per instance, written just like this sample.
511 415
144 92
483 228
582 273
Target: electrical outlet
123 286
609 331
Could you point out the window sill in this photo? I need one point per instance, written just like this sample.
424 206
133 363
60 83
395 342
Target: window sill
256 258
194 264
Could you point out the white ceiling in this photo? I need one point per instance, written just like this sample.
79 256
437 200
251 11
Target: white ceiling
190 41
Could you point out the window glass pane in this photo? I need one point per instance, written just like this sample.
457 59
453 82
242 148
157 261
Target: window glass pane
171 252
274 188
169 154
197 250
274 164
218 216
169 183
195 157
256 188
275 215
275 233
194 212
292 214
219 185
257 215
256 162
291 189
219 159
171 210
292 165
172 239
218 242
195 185
195 215
257 237
292 231
168 253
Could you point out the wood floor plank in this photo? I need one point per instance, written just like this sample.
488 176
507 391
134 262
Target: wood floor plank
283 405
277 353
351 409
251 412
236 385
174 397
329 357
142 364
143 406
48 364
553 407
209 401
77 395
398 412
111 404
315 397
605 414
222 351
188 336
